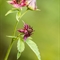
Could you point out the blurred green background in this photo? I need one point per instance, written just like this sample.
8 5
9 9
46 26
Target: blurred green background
45 24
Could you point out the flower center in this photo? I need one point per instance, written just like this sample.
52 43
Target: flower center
18 1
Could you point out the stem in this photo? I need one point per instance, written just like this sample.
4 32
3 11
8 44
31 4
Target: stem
15 28
23 14
9 49
18 22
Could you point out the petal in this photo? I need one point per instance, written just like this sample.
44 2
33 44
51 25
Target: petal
21 30
32 5
25 32
26 26
25 37
11 2
17 5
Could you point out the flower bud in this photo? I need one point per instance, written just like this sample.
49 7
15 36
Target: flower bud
27 31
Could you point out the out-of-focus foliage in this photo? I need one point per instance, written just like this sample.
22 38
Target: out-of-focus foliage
46 30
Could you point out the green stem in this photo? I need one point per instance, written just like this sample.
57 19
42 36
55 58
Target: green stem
15 28
9 49
23 14
18 22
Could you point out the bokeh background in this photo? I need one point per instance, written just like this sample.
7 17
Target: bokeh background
45 24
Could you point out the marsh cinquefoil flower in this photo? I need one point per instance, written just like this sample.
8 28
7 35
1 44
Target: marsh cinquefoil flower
31 4
27 31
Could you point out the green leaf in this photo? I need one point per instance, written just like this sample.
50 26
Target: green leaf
18 15
20 45
33 47
38 10
18 55
29 38
12 36
12 11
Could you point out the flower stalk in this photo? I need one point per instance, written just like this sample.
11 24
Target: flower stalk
11 44
9 49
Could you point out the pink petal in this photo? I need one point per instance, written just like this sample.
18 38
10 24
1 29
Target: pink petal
11 2
32 4
21 30
17 5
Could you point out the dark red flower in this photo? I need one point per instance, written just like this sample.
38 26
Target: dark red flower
27 31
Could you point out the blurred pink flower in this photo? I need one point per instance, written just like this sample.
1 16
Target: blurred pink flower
18 3
30 4
27 31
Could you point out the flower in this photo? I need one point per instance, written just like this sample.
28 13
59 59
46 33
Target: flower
18 3
27 31
31 4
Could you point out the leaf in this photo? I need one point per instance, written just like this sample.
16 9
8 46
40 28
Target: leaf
18 15
12 36
12 11
34 48
38 10
18 55
29 38
20 45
